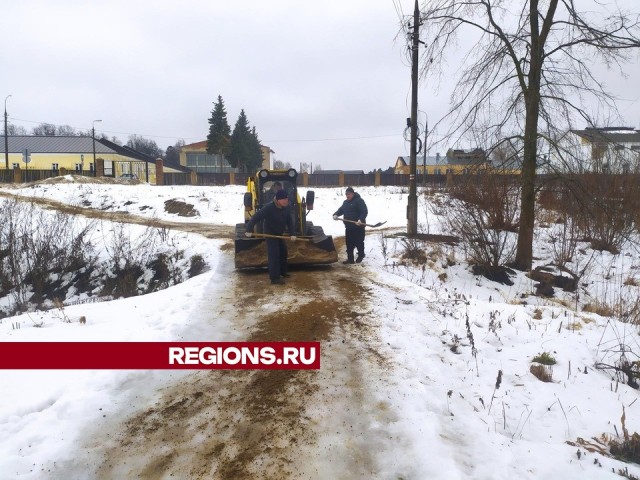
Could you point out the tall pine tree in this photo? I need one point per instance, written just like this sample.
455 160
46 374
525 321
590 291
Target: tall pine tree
218 139
245 152
256 151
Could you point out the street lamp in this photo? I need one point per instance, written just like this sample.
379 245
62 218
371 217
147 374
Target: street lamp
93 136
6 138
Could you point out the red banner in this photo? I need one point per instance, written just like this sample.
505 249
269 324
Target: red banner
160 355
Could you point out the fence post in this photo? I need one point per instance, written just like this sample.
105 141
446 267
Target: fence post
449 183
159 172
232 179
341 179
305 179
17 175
99 167
62 172
193 177
377 180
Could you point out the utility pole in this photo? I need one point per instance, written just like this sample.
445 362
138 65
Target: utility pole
412 207
93 137
6 136
424 152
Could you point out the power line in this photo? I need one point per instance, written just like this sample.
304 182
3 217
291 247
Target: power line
335 139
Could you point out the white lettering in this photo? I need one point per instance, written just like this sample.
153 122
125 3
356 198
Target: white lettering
176 355
268 356
311 358
191 355
290 355
207 356
231 356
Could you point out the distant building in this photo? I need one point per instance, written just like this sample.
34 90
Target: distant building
195 157
609 149
468 158
75 155
455 162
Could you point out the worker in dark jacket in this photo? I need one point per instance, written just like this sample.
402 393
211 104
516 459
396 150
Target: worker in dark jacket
355 210
276 215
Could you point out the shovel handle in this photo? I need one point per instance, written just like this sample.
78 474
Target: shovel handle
351 221
280 237
362 224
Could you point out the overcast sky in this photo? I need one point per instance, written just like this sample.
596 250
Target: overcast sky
323 81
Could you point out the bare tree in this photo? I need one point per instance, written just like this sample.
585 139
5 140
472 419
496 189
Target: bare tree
44 129
172 153
144 145
528 75
61 130
15 130
280 165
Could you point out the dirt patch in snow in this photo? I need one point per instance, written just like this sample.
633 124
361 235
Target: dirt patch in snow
262 424
208 230
256 424
180 208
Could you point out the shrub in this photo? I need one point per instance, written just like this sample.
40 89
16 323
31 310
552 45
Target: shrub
197 265
544 358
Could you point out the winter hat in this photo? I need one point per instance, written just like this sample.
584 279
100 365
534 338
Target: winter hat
349 190
280 194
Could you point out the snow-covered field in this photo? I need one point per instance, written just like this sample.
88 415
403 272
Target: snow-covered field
460 347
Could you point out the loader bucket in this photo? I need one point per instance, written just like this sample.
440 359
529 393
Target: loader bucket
252 252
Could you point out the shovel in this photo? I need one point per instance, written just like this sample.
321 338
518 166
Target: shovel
379 224
281 237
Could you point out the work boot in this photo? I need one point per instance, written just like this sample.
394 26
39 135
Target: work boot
277 281
359 258
285 275
349 261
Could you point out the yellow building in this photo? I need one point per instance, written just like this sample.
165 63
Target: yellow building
75 154
455 162
195 157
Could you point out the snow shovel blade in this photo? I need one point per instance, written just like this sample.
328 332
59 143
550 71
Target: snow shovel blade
315 238
379 224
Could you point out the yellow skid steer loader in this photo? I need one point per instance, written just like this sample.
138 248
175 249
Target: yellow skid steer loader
313 246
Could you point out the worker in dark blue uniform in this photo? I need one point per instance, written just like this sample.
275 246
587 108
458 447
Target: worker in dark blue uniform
354 209
277 216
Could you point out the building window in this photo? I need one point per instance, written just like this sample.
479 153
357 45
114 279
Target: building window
78 167
205 163
91 167
54 167
16 165
438 171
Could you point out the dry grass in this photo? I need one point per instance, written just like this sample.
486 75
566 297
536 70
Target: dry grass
543 373
601 309
628 448
631 282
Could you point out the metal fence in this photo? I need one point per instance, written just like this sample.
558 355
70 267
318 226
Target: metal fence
177 178
220 179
